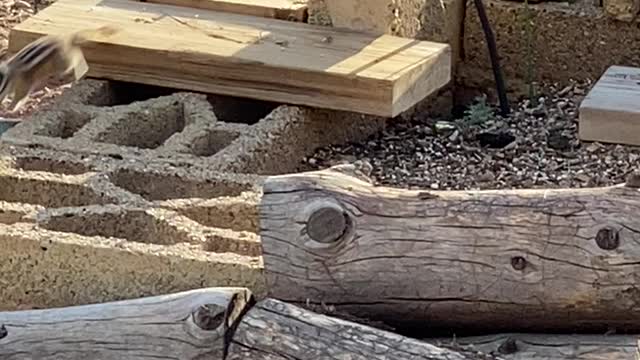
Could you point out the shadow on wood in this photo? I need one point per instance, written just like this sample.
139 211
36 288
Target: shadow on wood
275 330
519 260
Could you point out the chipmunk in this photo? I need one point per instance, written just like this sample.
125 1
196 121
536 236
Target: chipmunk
46 57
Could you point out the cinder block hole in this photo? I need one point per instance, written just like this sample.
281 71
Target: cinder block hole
152 186
145 129
240 110
238 243
125 93
133 225
10 216
65 124
32 163
46 192
235 215
212 142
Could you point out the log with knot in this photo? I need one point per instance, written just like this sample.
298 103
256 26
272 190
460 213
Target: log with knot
511 260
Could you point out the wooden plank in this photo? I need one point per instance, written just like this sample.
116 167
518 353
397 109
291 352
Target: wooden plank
610 112
187 325
273 330
520 346
292 10
520 260
248 56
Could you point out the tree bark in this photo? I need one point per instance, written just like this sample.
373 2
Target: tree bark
275 330
551 347
186 325
509 260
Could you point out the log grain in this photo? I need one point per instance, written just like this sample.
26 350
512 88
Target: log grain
187 325
512 260
520 346
274 330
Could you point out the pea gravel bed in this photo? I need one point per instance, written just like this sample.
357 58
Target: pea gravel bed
478 153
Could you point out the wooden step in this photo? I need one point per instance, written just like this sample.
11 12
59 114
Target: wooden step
292 10
610 112
248 56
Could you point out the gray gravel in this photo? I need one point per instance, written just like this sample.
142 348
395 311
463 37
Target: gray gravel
546 152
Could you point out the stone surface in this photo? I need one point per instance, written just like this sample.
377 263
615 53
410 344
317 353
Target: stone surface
623 10
567 38
574 40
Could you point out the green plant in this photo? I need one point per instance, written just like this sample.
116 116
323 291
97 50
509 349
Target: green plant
478 113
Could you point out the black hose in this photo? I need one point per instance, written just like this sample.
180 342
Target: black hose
493 55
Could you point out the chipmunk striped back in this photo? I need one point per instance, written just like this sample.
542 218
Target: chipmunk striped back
50 55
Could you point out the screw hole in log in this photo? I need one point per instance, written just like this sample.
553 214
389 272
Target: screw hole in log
518 263
509 346
607 238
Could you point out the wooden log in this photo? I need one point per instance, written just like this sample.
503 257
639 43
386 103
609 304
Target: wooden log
550 346
275 330
187 325
292 10
247 56
518 260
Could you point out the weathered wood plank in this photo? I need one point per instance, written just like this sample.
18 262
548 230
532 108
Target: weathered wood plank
550 346
292 10
275 330
186 325
248 56
611 110
515 259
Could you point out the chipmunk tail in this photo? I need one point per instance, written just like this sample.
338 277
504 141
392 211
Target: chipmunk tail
82 36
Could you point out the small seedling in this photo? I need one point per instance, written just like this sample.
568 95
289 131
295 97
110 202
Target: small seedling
478 113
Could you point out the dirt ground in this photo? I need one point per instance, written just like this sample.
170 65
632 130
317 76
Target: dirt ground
536 146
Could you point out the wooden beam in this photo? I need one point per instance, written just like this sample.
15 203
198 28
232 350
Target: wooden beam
186 325
610 112
274 330
550 346
525 260
292 10
214 323
247 56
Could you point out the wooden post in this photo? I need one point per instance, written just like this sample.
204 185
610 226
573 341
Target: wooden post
187 325
275 330
561 259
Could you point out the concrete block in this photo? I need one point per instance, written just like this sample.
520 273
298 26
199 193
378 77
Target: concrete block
119 191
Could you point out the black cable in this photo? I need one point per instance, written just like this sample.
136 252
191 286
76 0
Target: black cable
493 55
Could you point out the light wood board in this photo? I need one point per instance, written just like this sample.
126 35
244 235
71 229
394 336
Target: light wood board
610 112
247 56
293 10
